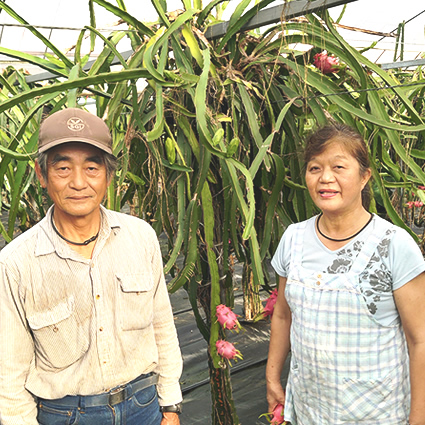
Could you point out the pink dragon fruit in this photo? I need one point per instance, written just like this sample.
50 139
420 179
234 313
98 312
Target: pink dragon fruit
271 301
227 350
277 417
325 63
412 204
227 318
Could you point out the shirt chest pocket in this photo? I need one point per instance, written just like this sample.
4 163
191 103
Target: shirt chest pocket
61 336
136 295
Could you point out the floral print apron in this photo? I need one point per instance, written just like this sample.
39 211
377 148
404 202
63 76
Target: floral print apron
346 368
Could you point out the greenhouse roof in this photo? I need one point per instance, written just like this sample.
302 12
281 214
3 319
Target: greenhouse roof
363 23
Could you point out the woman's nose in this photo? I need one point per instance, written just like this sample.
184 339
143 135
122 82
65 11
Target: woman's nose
327 175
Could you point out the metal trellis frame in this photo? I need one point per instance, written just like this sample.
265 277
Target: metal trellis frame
403 64
272 15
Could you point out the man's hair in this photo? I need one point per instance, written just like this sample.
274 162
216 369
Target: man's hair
108 160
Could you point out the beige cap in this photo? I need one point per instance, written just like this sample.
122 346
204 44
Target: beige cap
74 125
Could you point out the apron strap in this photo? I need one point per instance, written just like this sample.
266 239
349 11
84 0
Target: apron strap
380 227
297 244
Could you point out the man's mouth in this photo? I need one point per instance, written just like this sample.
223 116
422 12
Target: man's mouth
78 198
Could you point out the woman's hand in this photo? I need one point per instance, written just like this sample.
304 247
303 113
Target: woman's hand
275 395
169 418
279 348
410 301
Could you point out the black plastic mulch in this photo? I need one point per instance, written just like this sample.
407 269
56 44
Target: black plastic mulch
247 375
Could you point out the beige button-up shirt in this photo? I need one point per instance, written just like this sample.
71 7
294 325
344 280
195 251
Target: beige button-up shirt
69 325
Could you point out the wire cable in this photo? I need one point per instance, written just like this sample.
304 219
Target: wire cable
365 90
305 98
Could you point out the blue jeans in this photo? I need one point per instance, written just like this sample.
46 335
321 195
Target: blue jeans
141 408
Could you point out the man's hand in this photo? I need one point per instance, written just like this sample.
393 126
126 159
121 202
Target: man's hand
169 418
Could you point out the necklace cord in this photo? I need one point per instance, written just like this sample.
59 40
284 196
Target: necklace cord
345 239
86 242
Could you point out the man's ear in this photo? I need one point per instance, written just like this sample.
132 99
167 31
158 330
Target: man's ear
40 175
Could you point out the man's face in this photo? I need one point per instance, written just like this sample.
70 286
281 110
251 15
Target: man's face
76 180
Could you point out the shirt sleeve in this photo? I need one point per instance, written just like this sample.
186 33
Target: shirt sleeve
282 256
170 362
406 259
17 405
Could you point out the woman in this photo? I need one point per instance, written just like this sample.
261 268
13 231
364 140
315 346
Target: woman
351 293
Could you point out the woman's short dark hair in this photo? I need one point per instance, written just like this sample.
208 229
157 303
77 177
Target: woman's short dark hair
108 159
350 140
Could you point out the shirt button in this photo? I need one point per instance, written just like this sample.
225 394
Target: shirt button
97 296
319 275
318 282
100 329
91 264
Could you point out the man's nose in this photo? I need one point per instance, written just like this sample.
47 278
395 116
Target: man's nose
78 180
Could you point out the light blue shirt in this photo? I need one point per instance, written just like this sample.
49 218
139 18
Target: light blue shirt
395 262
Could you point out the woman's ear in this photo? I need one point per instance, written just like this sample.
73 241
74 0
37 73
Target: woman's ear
40 175
366 177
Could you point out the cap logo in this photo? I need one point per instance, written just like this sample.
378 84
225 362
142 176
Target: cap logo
75 124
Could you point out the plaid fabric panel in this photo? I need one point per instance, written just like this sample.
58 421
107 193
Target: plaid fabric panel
345 367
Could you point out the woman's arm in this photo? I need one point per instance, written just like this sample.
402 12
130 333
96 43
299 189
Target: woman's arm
279 347
410 301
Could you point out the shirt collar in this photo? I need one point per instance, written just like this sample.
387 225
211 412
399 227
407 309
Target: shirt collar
49 242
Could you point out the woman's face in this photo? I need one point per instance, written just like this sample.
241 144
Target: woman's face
334 180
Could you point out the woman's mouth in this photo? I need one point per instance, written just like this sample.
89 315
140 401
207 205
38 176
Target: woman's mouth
325 193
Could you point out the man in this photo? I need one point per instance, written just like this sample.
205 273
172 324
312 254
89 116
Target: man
87 328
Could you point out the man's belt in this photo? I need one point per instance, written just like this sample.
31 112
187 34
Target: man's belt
111 398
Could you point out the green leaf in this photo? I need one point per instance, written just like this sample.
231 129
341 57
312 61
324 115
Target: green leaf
130 19
239 22
72 94
208 210
158 129
135 179
42 63
193 45
107 77
177 167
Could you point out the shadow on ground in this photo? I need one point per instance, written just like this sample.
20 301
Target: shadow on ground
248 375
